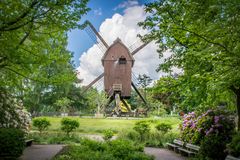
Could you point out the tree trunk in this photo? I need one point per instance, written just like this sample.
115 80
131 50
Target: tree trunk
237 93
238 108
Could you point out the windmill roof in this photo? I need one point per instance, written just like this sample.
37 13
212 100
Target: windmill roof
118 40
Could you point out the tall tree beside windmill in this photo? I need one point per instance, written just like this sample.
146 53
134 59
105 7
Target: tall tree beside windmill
117 62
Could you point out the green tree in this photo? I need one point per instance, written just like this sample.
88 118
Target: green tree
34 60
33 36
63 104
204 40
144 81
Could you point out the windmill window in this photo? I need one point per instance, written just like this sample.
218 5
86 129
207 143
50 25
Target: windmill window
122 60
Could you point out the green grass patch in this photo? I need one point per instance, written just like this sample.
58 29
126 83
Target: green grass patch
97 126
93 125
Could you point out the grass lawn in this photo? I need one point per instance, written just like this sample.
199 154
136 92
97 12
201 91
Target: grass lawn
95 126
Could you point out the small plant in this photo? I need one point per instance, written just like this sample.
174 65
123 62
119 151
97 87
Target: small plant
108 134
112 150
11 142
41 124
68 125
121 149
143 128
163 127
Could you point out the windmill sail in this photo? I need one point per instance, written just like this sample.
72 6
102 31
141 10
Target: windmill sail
96 37
137 46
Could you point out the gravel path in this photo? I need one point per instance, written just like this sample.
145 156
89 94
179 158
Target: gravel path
41 152
163 154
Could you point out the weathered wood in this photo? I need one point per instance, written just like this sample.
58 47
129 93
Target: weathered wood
135 88
189 149
192 147
229 157
28 142
187 152
115 72
175 145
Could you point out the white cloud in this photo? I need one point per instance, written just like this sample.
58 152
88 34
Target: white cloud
125 27
126 4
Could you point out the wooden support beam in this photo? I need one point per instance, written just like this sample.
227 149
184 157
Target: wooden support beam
145 102
93 82
110 99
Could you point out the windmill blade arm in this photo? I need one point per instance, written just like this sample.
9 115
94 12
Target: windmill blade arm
97 34
93 82
139 48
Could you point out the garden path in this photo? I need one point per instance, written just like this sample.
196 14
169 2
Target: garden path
41 152
163 154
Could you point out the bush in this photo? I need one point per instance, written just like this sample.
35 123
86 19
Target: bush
111 150
41 124
13 113
163 127
158 139
121 148
212 131
68 125
54 138
11 142
108 134
143 128
234 147
212 147
93 145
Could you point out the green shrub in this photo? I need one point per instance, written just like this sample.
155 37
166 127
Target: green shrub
234 147
108 134
163 127
54 138
143 128
41 124
11 142
68 125
129 135
158 139
111 150
212 147
211 130
123 149
63 139
93 145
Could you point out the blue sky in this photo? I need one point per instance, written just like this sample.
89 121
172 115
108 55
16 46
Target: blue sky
78 40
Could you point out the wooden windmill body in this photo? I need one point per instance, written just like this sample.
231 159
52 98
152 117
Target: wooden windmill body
117 62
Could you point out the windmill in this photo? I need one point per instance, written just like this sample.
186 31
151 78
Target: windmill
117 62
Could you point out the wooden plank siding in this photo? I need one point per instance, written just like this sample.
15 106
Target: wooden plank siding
115 73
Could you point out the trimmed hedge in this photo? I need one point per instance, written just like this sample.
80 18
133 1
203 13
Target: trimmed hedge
68 125
41 123
12 142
